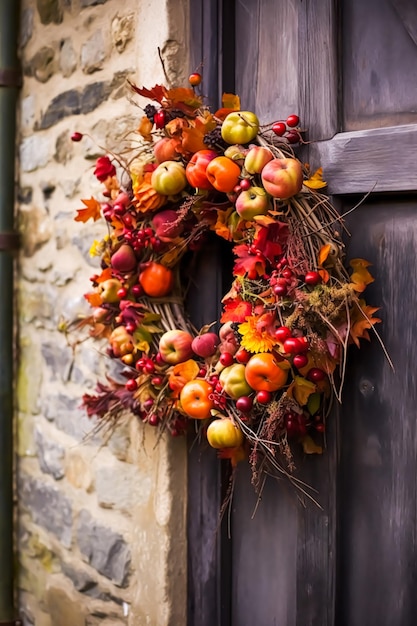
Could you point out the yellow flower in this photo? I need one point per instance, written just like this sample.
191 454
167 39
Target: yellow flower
98 247
254 339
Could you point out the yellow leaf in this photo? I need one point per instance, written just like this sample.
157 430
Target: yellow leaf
362 320
315 181
360 277
309 446
263 220
301 389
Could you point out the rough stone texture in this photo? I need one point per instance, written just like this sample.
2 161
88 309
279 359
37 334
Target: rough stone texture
122 30
51 455
76 568
49 11
78 471
64 608
118 486
104 549
26 26
41 66
67 58
34 153
48 507
35 228
93 53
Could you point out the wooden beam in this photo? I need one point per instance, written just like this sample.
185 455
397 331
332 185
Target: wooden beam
379 160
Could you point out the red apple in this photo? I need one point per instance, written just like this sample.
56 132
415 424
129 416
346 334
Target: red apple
108 290
167 225
257 158
175 346
205 345
196 169
252 202
169 178
282 178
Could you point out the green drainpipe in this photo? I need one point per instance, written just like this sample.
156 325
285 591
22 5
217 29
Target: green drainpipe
9 85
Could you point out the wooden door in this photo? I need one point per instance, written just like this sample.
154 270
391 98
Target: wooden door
349 70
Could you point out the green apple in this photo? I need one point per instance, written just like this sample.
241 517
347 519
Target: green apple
240 127
169 178
234 382
252 202
108 290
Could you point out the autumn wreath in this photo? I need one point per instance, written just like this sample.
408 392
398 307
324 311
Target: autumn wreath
262 378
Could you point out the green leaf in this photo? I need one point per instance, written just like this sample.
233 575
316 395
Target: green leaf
313 403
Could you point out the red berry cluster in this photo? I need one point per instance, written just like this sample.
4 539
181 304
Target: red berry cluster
288 128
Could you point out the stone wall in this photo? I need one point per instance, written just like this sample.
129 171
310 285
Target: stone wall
101 515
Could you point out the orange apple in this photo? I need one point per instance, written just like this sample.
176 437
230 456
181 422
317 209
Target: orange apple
264 373
282 178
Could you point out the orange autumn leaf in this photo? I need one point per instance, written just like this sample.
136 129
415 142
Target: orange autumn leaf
192 139
324 253
362 321
145 127
182 374
234 454
93 211
148 199
264 220
360 277
93 298
230 103
184 95
176 126
315 181
105 275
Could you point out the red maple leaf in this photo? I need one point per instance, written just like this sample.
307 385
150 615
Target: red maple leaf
156 93
236 310
271 239
247 262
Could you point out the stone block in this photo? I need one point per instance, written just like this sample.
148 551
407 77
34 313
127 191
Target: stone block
48 507
41 66
86 584
35 152
121 486
29 377
36 229
26 26
58 359
64 607
67 58
93 53
69 417
78 471
27 112
50 11
51 455
122 30
104 549
63 105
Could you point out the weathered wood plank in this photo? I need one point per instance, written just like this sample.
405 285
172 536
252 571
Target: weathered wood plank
379 63
379 454
407 11
317 68
380 159
267 57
